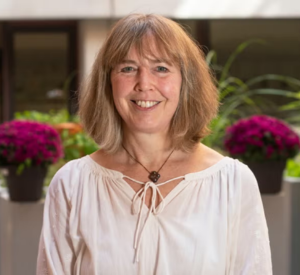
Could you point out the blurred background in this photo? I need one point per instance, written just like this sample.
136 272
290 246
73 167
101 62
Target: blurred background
47 49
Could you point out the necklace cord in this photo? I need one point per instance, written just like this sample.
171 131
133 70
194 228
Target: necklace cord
166 160
135 159
157 172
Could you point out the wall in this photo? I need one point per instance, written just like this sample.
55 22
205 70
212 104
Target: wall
279 54
55 9
37 9
92 34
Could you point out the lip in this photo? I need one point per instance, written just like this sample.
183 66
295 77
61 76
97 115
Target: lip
139 99
142 108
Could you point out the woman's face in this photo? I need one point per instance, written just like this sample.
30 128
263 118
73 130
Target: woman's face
146 91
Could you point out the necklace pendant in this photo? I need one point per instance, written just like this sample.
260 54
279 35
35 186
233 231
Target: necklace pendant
154 176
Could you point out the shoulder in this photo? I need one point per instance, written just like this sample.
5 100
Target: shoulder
248 180
68 176
238 176
71 168
204 157
241 170
209 157
242 182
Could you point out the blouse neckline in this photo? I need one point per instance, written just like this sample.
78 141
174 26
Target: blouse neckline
216 167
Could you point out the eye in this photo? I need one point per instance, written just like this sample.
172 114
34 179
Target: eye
162 69
127 69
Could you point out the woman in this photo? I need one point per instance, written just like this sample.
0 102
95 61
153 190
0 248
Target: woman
153 200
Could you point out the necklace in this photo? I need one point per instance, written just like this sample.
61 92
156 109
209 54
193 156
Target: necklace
154 175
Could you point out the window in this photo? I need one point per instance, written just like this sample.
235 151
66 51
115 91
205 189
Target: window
42 66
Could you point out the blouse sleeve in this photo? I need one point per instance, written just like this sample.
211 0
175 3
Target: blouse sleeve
56 253
249 246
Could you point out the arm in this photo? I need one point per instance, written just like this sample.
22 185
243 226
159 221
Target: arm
249 245
56 253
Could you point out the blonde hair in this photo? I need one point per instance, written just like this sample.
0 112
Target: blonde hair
198 103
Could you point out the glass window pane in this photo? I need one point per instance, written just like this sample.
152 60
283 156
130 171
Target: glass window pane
40 71
1 73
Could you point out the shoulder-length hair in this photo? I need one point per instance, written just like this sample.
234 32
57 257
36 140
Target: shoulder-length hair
198 102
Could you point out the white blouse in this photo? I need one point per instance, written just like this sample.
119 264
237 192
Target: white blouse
211 223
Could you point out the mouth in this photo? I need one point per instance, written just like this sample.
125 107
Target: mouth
145 104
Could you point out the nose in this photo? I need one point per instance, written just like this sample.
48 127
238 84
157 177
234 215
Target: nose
144 80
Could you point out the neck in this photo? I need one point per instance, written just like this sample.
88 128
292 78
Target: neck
149 149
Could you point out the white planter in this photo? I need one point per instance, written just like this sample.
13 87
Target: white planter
282 212
20 227
295 223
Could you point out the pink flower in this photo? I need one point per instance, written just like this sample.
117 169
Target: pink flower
22 140
270 151
247 138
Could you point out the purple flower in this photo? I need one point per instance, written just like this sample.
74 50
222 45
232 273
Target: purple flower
261 137
270 151
22 140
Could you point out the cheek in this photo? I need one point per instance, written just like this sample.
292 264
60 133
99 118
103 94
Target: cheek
172 90
117 91
120 93
121 87
115 85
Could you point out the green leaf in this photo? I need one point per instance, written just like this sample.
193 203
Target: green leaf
279 78
20 169
295 105
28 162
235 54
211 57
293 168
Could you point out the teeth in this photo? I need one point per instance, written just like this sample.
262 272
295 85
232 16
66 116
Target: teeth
146 104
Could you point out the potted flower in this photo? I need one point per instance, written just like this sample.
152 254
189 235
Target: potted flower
264 143
27 148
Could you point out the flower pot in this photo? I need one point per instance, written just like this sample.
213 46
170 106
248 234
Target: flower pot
269 175
28 186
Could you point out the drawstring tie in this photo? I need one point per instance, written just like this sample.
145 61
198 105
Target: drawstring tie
138 204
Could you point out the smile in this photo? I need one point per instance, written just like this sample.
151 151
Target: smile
145 104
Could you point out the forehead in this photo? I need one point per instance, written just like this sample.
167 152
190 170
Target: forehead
149 48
